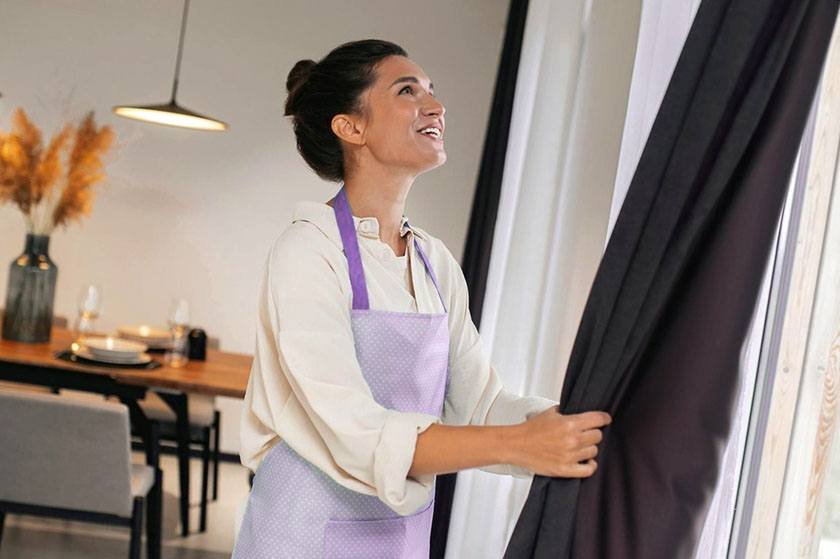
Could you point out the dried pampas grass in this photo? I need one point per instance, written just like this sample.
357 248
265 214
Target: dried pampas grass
52 186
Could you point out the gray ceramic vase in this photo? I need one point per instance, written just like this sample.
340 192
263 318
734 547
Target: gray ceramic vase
30 293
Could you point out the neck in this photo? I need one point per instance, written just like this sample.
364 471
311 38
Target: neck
380 195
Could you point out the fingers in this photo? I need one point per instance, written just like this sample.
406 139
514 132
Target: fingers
593 436
584 469
586 453
590 420
575 447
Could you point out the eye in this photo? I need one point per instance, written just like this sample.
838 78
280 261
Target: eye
408 87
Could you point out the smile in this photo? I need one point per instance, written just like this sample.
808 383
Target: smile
433 133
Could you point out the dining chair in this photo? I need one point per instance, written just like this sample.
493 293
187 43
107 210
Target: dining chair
70 459
204 420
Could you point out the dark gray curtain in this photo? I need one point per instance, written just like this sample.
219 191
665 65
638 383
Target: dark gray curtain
659 342
476 261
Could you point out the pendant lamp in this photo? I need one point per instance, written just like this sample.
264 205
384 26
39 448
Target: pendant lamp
171 113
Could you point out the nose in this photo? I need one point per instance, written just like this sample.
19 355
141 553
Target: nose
433 106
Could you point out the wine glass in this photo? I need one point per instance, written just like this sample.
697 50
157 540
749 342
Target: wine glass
179 320
90 307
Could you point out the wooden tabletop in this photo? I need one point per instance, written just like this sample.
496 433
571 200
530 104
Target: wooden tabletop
222 374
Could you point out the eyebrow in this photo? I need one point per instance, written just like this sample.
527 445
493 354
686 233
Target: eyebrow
411 79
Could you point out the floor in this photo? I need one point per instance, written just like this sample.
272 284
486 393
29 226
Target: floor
30 537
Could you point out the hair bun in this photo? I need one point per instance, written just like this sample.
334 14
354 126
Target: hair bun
299 73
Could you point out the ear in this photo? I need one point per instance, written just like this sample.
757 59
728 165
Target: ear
349 128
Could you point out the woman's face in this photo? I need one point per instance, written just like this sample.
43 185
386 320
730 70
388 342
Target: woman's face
397 107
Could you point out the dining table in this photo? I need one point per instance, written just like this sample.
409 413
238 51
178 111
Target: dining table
221 373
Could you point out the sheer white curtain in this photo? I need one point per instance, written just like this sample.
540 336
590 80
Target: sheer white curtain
561 162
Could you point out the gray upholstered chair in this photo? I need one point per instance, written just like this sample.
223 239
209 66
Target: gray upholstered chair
71 459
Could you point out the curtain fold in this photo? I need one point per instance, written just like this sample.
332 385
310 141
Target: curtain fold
575 71
659 342
479 243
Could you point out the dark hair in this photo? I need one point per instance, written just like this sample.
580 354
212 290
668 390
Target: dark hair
319 91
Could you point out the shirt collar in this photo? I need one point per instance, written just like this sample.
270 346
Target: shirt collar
323 216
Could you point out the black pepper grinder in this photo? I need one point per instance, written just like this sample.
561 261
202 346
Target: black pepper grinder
197 341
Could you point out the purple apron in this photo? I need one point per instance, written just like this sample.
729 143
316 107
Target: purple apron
295 510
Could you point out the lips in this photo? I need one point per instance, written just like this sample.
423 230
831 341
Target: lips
432 133
432 138
433 129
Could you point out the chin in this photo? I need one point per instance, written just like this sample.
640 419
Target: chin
437 161
432 165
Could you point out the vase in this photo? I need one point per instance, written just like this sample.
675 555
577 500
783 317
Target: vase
30 293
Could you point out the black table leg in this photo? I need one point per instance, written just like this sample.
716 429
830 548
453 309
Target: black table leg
178 403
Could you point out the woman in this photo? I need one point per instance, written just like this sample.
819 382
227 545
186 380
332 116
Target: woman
369 376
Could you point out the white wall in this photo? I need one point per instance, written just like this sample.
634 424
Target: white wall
186 213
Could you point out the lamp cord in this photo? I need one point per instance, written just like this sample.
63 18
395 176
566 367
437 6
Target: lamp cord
180 48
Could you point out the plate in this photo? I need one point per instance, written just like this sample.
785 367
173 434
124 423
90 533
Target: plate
144 331
153 344
108 346
84 353
158 338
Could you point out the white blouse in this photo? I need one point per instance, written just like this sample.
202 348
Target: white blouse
306 386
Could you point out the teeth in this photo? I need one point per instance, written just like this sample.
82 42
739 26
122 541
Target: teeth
432 131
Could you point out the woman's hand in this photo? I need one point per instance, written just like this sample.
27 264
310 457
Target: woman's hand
549 444
556 445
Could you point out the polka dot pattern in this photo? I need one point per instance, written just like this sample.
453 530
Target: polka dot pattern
296 511
402 356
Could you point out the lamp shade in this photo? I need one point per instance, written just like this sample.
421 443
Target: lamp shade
170 114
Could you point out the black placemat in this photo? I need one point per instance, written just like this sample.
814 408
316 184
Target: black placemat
68 355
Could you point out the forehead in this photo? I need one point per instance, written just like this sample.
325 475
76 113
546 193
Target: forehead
395 67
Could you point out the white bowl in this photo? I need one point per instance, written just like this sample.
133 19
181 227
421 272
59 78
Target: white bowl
109 346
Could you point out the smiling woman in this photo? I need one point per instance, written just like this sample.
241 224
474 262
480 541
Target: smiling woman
340 99
370 377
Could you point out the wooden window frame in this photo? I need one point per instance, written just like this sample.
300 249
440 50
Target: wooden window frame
794 412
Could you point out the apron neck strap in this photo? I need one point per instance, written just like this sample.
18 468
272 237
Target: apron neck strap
429 269
347 229
344 219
